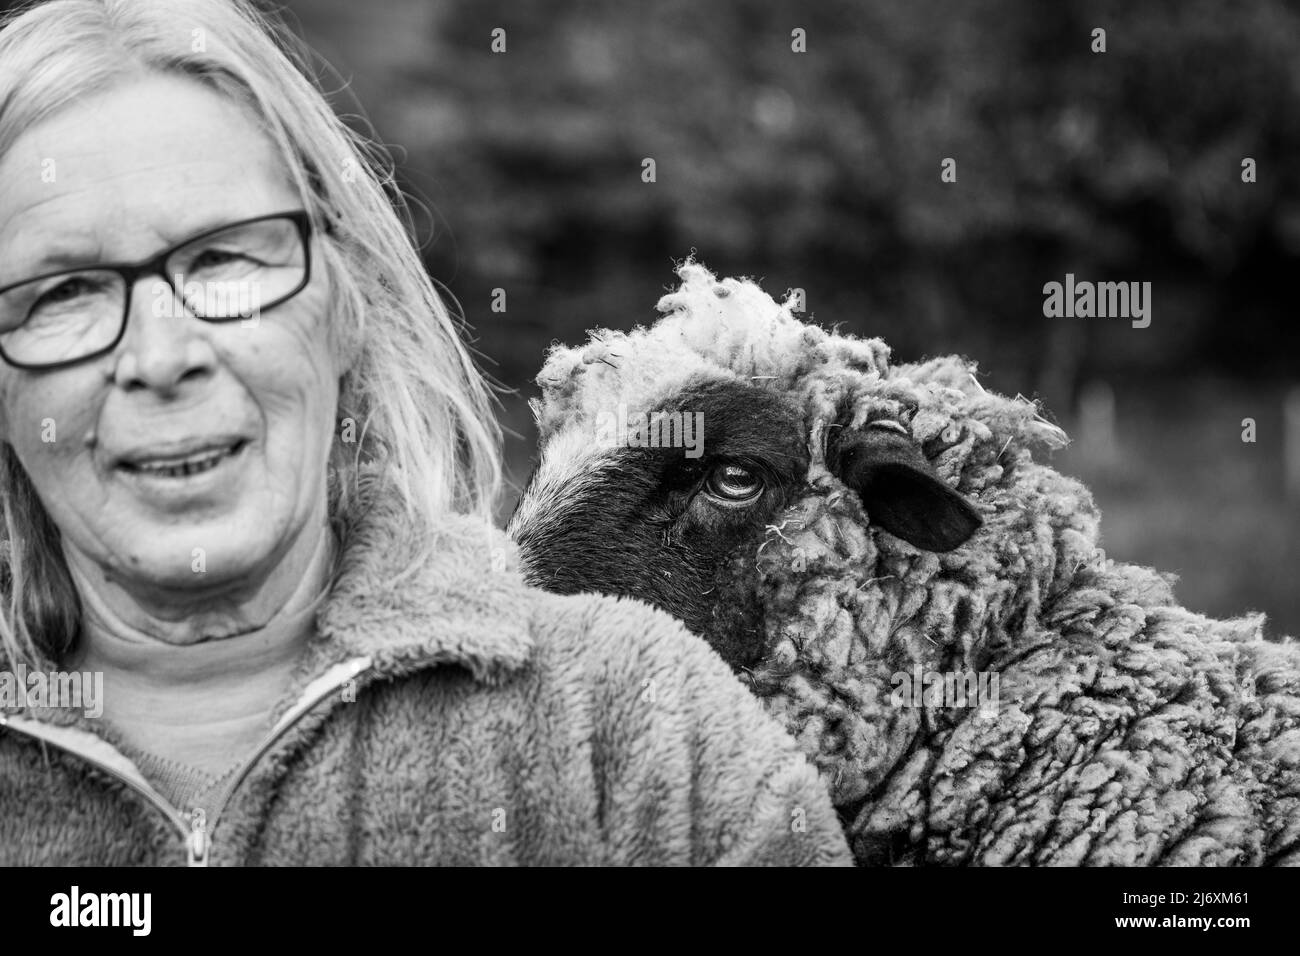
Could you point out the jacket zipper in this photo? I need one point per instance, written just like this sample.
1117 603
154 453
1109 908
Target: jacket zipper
195 828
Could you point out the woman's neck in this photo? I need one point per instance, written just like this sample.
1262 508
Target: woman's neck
206 702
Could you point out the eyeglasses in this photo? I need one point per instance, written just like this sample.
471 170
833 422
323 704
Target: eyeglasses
234 272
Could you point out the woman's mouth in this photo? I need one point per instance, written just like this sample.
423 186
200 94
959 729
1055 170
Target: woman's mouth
184 465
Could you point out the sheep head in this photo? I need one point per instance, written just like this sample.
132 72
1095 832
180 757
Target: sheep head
783 492
828 522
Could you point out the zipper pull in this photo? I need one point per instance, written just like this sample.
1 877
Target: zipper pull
197 842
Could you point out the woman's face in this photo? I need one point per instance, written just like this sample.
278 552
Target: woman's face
119 178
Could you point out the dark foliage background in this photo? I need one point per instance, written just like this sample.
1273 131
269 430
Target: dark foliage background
821 171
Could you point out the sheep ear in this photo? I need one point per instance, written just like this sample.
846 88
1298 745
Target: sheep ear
902 494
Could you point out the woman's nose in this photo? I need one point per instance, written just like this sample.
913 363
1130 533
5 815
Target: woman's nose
163 345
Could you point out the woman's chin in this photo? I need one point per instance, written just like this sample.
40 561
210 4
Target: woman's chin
205 556
196 568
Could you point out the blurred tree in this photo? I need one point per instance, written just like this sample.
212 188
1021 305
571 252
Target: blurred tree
821 169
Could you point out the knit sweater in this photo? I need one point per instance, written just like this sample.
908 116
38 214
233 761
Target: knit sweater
445 713
181 785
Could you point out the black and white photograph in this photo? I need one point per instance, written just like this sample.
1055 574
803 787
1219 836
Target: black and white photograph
461 433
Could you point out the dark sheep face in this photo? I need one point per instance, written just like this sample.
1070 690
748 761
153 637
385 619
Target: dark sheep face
685 529
762 539
674 528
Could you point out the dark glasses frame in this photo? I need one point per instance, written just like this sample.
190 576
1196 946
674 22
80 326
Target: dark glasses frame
131 272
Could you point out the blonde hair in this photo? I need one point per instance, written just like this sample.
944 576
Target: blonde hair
417 402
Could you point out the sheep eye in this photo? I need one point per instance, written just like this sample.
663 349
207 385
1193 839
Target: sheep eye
733 485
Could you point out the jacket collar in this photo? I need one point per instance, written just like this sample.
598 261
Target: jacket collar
409 596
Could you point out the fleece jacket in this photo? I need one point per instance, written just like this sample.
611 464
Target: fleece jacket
446 713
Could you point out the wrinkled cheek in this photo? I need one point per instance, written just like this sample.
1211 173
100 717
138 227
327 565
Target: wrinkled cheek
295 392
830 658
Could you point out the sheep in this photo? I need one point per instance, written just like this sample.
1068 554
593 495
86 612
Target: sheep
851 529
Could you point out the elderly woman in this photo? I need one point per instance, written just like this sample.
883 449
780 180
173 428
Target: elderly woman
247 473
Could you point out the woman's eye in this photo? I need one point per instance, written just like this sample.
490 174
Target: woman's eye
733 485
64 291
212 257
218 258
71 291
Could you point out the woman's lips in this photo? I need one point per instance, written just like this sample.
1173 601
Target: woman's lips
181 460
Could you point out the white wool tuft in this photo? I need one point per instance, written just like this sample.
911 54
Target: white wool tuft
722 329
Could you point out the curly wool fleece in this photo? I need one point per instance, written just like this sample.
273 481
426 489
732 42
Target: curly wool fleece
1125 729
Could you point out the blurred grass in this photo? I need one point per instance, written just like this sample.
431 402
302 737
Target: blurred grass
1187 495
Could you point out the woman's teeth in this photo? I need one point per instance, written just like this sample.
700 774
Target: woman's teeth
193 465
